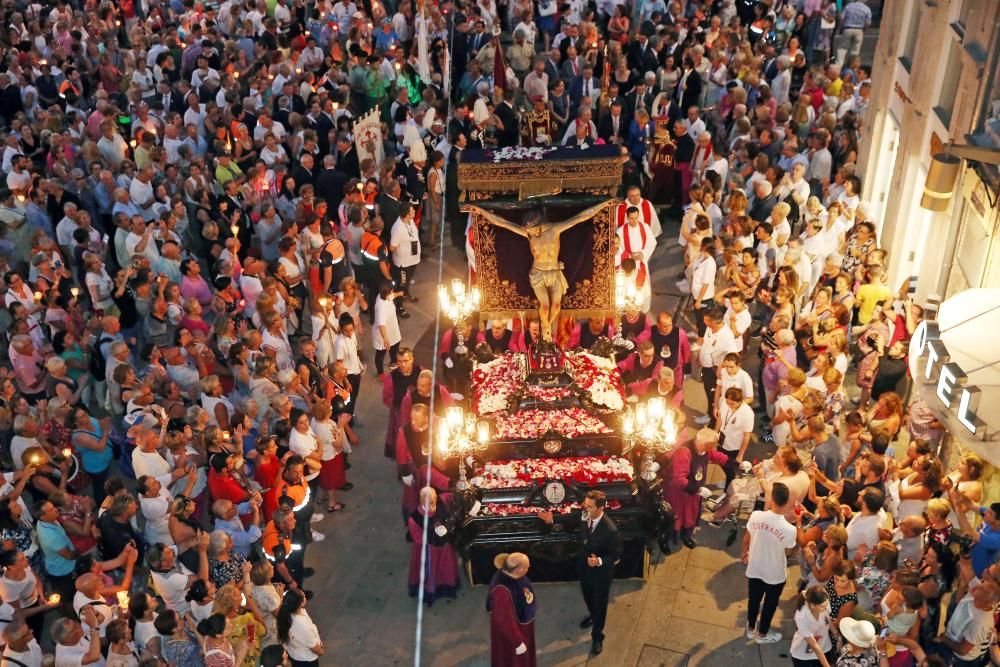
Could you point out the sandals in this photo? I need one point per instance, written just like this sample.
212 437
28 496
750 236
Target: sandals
336 507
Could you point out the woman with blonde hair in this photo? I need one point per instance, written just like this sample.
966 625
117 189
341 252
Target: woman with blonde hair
822 564
219 408
244 626
789 405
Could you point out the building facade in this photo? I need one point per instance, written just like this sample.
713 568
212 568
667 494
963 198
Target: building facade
935 81
935 84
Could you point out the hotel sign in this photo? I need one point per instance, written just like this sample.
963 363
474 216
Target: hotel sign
932 365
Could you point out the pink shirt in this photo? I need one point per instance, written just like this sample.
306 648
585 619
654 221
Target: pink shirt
196 288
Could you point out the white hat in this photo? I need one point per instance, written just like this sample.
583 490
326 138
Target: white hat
859 633
480 113
418 153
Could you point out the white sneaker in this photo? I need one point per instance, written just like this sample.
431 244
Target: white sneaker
702 420
751 633
771 637
317 517
319 537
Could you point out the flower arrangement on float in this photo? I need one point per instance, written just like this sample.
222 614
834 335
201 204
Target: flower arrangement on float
494 382
532 424
511 509
589 470
599 377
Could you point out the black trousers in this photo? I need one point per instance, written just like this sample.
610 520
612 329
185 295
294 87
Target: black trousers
699 311
595 582
402 275
762 603
380 357
709 380
355 382
730 467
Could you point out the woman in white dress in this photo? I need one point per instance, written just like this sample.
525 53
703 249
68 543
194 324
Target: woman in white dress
296 630
274 340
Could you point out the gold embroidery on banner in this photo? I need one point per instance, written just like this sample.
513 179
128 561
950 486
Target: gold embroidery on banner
505 176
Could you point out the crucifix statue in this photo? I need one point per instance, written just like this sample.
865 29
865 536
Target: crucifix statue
546 276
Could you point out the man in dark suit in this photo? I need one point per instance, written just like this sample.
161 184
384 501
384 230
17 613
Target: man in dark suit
641 97
510 135
585 84
347 160
600 550
330 183
688 91
613 127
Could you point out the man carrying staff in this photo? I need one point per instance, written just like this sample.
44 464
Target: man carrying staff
546 276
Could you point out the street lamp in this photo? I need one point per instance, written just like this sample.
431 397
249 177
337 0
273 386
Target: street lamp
652 428
458 305
459 434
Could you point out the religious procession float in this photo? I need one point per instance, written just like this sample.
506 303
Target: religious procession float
542 427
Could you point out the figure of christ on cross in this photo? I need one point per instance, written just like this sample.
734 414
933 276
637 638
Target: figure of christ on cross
546 276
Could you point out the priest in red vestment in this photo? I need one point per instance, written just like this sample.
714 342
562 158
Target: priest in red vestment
511 605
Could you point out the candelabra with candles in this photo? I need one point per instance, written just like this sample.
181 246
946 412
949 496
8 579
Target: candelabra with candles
652 428
626 298
458 304
459 434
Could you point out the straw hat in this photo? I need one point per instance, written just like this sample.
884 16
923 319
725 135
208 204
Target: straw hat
859 633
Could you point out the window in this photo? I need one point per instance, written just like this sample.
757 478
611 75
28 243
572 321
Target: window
910 39
949 86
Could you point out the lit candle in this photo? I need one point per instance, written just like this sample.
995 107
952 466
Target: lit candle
122 600
75 291
324 302
236 75
132 143
483 432
225 435
455 416
38 296
118 23
55 598
235 229
398 67
67 453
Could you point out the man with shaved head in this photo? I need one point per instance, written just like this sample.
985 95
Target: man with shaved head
511 605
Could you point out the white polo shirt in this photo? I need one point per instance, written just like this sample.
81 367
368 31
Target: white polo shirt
741 380
743 320
734 424
703 274
715 346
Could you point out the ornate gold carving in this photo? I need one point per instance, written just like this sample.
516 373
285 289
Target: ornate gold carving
506 176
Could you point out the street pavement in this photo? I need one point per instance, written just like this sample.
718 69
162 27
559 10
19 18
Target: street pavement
690 610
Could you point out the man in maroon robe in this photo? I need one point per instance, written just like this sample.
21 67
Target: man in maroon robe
512 608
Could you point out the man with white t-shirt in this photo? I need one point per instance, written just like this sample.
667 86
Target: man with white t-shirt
717 342
703 281
404 244
75 645
767 543
20 643
863 528
737 317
